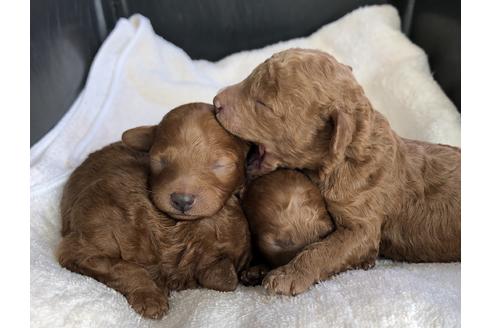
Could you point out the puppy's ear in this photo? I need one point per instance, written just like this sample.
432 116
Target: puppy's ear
267 80
342 129
140 139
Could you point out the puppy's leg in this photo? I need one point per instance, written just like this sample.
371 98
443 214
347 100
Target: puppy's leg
220 276
354 246
130 279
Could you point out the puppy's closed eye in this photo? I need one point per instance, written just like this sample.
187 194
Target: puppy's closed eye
224 164
261 105
157 164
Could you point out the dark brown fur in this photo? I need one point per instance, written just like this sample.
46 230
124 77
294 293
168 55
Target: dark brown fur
114 232
387 195
286 212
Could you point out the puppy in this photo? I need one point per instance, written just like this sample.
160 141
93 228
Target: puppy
156 212
387 195
286 212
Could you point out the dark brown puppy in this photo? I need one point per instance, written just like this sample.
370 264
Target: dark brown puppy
387 195
286 212
119 208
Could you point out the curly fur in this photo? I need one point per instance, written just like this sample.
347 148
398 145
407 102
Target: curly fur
387 195
114 232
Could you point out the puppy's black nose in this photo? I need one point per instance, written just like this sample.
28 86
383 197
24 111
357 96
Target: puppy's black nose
182 202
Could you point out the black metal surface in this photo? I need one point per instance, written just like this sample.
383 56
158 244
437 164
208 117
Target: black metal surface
65 35
213 29
436 27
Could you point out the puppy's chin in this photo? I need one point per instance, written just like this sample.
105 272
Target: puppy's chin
188 216
174 214
184 217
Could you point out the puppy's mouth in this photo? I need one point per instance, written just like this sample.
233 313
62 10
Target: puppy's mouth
260 161
255 157
183 216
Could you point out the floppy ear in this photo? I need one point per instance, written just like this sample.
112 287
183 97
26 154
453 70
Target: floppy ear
268 81
342 130
140 138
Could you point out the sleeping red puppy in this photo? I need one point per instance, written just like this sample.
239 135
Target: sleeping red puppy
285 212
157 212
387 195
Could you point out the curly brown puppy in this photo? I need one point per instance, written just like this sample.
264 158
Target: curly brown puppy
157 212
286 212
387 195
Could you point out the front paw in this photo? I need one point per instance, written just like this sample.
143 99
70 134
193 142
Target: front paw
287 280
149 303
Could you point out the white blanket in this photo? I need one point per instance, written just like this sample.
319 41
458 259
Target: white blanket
137 77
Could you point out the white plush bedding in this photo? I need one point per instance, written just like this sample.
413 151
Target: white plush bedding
137 77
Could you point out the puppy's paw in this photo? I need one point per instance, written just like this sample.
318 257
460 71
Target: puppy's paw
287 280
369 264
149 303
253 275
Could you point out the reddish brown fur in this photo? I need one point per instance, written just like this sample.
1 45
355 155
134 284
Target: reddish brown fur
113 231
286 212
388 195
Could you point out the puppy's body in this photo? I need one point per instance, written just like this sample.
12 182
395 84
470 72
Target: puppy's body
113 231
424 223
407 190
386 194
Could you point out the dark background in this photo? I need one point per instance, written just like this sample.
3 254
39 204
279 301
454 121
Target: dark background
66 34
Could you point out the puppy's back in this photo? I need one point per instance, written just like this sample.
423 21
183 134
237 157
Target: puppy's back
110 175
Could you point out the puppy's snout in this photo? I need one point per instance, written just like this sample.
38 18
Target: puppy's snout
182 202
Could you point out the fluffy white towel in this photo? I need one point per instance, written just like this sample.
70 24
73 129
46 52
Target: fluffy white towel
137 77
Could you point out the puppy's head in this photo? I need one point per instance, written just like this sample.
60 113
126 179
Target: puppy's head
195 165
286 212
291 107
